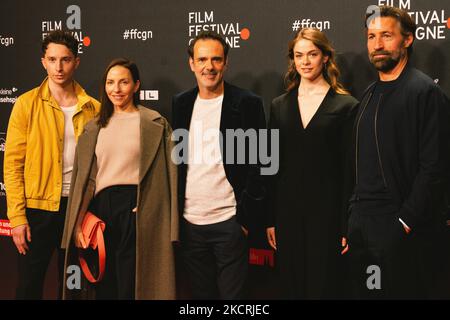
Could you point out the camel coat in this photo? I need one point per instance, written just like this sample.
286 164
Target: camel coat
157 212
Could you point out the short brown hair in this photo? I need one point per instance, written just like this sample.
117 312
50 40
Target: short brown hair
61 37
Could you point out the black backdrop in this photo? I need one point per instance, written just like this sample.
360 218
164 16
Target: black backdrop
155 34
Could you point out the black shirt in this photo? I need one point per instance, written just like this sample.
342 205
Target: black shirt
371 193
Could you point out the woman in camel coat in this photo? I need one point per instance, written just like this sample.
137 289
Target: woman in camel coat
156 215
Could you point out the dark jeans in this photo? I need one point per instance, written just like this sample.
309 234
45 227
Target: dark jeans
46 232
216 259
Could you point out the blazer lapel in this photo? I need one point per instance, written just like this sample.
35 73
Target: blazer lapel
324 105
291 115
294 116
151 133
230 116
187 108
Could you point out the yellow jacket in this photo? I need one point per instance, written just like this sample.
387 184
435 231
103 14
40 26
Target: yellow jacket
34 150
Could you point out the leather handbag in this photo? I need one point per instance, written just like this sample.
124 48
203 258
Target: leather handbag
92 229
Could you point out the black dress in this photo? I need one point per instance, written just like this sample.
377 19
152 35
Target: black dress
306 195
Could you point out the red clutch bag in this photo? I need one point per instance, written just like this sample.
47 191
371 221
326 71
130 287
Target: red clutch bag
92 229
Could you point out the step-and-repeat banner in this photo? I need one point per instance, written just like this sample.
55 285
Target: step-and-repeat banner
156 33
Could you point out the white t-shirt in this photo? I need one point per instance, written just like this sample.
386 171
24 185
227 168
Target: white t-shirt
209 196
69 148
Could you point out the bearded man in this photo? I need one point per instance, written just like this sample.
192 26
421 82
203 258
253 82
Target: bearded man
401 160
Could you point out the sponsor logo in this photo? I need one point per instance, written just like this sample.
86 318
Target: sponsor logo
148 95
206 21
8 95
261 257
71 23
431 23
5 228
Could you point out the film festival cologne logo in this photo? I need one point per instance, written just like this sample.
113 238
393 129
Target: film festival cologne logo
431 23
72 23
205 21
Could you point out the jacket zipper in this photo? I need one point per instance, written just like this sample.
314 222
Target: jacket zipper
376 141
357 137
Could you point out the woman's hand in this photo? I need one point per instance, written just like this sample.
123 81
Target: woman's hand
271 237
79 239
78 234
344 245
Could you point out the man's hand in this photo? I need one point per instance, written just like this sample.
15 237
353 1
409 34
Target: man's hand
407 229
21 234
245 231
271 237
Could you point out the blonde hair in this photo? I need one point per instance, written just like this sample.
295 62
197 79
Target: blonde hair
330 70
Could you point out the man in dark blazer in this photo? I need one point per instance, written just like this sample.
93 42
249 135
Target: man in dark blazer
219 183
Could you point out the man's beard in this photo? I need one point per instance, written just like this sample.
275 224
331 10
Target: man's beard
385 64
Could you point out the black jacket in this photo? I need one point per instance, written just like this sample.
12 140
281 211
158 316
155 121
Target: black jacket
412 131
241 109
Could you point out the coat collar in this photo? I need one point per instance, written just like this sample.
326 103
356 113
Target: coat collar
151 136
46 95
86 148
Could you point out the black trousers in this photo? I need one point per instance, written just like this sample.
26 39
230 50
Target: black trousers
46 232
381 241
114 205
216 259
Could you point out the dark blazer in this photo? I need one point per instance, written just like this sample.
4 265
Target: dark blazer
241 109
313 161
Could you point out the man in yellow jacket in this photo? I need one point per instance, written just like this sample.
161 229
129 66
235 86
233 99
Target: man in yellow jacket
40 146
